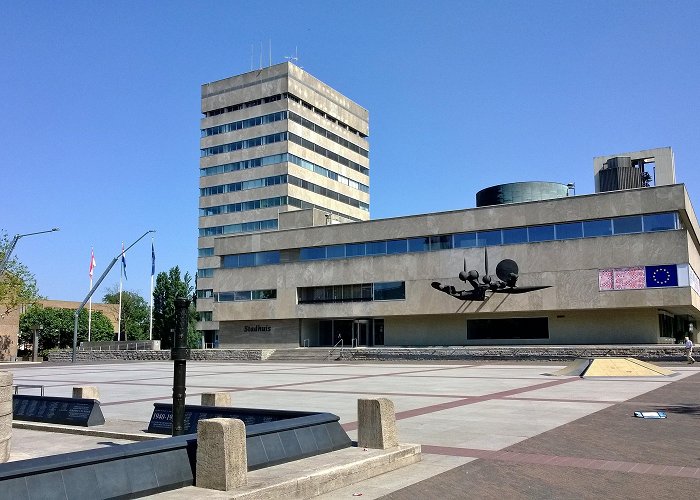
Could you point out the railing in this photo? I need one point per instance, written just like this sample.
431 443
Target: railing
147 345
17 387
306 343
340 355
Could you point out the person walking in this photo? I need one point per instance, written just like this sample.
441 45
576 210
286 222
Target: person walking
689 350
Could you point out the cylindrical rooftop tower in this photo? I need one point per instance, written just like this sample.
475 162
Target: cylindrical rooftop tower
518 192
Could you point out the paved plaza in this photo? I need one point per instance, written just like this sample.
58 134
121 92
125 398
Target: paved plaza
487 430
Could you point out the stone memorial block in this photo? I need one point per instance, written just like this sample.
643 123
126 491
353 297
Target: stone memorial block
376 424
86 392
221 454
216 399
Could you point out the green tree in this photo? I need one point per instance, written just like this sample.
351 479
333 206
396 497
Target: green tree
168 287
56 326
17 284
135 313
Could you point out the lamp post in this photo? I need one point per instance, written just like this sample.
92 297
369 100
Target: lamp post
35 342
13 243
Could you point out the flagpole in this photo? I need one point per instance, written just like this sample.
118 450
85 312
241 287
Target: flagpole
92 268
121 274
153 269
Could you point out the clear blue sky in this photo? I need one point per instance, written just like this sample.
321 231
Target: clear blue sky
100 106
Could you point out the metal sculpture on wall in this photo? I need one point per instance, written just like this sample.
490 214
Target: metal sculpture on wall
506 271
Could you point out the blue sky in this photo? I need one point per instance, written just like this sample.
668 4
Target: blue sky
100 106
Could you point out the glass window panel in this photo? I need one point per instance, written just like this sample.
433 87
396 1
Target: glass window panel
312 253
335 252
230 261
396 246
488 238
514 235
267 258
418 244
366 291
659 222
465 240
593 228
624 225
354 249
540 233
394 290
443 242
225 296
568 231
246 260
242 295
264 294
376 247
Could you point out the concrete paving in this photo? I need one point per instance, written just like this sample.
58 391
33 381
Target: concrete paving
486 430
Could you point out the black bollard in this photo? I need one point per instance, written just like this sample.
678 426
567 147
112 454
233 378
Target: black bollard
180 354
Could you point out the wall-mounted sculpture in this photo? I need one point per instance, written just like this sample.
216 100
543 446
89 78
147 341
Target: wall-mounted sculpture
506 271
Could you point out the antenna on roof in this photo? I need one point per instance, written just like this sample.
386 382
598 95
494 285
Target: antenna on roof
293 59
260 54
270 52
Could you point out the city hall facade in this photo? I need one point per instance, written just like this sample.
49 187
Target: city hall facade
289 257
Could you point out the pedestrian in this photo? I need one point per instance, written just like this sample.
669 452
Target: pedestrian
689 350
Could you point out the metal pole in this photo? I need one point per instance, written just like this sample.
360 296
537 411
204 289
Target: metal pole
180 354
104 275
13 243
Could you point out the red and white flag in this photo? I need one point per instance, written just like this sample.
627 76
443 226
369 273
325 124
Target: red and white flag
92 262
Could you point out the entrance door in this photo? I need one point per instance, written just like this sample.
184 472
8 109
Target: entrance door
360 330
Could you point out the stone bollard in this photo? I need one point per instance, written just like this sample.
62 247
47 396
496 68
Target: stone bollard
216 399
222 463
86 392
376 424
5 415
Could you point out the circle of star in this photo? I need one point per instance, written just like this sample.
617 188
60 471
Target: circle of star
663 281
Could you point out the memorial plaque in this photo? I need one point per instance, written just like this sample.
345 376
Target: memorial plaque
54 410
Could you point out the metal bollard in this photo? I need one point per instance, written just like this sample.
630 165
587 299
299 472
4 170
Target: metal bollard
180 354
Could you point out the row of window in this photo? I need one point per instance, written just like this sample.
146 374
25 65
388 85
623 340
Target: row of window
276 201
273 181
328 154
232 187
277 97
244 105
245 295
284 157
328 134
245 227
244 144
362 292
529 234
205 252
243 124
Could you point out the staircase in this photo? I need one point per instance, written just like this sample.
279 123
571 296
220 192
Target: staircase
307 354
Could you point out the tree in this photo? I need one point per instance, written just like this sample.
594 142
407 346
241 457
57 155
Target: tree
168 287
17 284
56 326
135 313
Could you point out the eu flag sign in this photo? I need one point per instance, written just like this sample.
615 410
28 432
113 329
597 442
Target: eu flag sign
659 276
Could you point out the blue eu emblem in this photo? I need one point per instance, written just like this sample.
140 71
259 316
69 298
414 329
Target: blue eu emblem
660 276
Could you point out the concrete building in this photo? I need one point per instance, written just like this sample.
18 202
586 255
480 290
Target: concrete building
279 149
309 269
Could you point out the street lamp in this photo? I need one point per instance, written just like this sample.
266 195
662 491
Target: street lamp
14 241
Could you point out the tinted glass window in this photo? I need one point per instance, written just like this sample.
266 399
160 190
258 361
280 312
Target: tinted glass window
375 247
418 244
659 222
267 258
463 240
488 238
335 252
225 296
244 295
443 242
246 260
569 231
540 233
354 249
395 290
623 225
396 246
229 261
312 253
515 235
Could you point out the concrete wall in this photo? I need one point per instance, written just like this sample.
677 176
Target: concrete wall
258 333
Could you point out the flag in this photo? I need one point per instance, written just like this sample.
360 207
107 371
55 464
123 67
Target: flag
659 276
92 262
153 260
124 262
